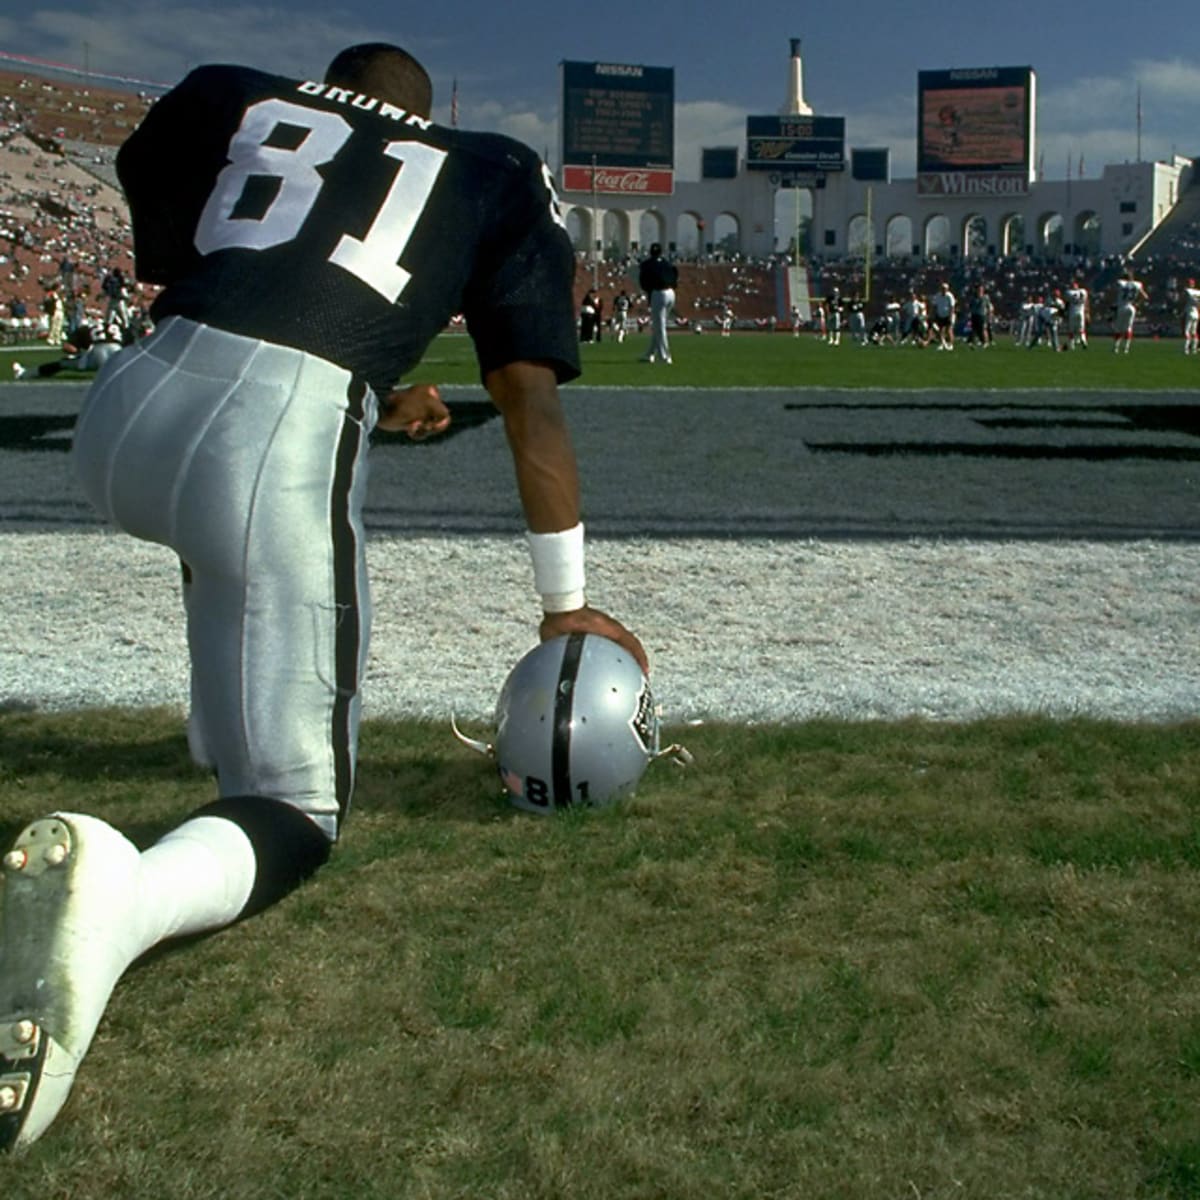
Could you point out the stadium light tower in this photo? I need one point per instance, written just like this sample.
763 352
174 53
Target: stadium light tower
796 104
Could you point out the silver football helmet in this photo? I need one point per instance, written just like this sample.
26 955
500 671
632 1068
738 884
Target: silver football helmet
575 725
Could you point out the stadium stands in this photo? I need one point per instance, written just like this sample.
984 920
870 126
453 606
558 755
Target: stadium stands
59 200
752 289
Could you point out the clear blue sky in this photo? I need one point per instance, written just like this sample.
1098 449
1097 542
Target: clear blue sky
860 59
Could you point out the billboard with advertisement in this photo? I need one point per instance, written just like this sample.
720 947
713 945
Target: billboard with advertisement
795 144
719 162
619 117
871 164
975 130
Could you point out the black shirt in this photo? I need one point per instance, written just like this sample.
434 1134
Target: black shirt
656 274
318 218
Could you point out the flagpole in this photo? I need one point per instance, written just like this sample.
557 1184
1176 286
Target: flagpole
1068 246
1139 123
596 238
869 249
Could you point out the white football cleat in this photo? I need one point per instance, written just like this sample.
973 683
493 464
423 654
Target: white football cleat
18 371
69 898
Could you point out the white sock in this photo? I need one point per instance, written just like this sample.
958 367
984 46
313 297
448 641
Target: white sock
198 877
67 940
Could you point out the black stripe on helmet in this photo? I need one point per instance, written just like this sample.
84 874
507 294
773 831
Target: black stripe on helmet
564 705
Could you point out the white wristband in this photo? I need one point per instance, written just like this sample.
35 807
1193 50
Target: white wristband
558 572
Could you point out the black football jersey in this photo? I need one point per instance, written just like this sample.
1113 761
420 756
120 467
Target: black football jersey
330 221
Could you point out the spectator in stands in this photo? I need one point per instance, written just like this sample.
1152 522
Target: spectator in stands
657 277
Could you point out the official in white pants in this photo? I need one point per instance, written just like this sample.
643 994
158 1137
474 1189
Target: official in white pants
662 304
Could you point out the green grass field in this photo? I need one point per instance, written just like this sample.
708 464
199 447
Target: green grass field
754 360
832 961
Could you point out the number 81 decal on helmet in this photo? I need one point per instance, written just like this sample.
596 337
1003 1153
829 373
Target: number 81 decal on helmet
575 725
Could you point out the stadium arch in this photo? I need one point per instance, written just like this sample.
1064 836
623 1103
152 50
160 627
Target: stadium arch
616 237
690 228
1049 234
1086 234
1110 214
581 223
1011 228
652 227
935 236
898 237
726 235
973 237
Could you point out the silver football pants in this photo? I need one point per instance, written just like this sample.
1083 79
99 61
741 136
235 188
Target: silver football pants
249 460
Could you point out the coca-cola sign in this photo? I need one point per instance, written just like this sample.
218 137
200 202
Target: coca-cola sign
620 181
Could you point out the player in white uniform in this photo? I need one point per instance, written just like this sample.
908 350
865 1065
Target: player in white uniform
725 320
857 322
1130 292
1047 319
820 321
1077 315
1191 317
1027 320
620 315
912 321
944 305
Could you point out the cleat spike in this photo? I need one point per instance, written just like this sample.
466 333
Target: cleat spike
56 855
24 1031
15 860
8 1099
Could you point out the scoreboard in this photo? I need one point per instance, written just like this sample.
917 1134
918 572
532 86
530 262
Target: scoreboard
620 119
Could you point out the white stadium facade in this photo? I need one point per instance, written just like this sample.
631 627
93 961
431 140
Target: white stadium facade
948 212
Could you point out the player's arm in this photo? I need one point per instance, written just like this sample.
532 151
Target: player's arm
526 393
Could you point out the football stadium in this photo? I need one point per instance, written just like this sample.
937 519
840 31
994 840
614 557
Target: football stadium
918 919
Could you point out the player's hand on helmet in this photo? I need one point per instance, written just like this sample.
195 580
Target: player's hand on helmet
592 620
416 410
